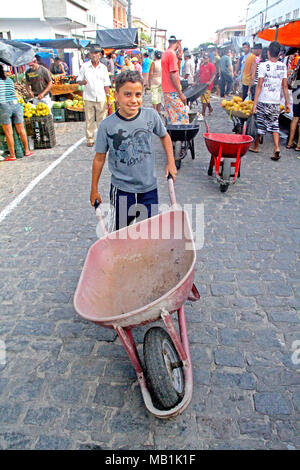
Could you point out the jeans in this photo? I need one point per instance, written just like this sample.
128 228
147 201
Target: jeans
225 84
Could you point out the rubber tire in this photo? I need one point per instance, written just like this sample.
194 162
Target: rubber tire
226 170
158 379
178 164
224 187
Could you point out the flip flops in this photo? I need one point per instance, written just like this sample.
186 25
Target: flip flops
254 151
10 159
276 156
29 154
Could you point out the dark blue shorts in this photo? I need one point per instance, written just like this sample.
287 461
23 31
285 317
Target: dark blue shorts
296 110
128 206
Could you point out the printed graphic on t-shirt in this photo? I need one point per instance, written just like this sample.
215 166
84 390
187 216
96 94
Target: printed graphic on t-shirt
273 74
133 148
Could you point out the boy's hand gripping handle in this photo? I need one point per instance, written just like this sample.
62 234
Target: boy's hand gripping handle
99 217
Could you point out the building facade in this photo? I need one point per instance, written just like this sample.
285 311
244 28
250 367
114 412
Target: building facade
262 14
52 19
226 34
120 13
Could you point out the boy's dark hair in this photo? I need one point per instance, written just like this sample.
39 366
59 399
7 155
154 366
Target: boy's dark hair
2 74
274 49
128 76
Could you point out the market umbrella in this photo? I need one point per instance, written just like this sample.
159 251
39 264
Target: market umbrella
288 35
16 53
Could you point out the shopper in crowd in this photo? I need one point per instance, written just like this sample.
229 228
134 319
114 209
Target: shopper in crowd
188 71
57 67
207 74
137 65
111 63
120 60
247 67
216 62
296 115
155 81
272 77
11 112
38 83
145 69
94 76
226 71
103 59
257 48
128 65
174 99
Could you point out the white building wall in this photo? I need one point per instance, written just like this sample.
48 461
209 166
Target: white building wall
260 12
22 9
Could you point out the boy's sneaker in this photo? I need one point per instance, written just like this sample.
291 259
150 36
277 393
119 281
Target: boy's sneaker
200 118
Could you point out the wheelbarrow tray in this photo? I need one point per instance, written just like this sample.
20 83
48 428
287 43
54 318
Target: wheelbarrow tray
182 132
193 92
129 276
230 143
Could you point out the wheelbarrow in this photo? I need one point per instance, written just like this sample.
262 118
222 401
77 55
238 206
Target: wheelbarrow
226 152
182 136
137 275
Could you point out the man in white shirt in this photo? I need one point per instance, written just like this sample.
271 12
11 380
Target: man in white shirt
188 68
272 76
94 76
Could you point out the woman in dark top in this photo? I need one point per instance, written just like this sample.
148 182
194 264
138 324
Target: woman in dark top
296 116
11 112
57 67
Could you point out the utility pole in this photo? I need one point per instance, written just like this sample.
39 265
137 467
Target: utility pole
129 17
155 34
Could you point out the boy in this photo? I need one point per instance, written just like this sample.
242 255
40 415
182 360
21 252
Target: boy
272 76
127 135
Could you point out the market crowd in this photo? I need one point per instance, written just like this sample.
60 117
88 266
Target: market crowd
266 75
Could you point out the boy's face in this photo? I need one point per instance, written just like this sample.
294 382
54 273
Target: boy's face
130 97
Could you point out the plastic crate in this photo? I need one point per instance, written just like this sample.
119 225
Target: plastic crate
43 132
19 149
74 115
59 114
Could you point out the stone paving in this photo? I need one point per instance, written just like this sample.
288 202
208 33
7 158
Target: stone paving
67 383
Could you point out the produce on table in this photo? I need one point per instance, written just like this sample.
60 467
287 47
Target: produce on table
42 109
28 109
75 104
237 104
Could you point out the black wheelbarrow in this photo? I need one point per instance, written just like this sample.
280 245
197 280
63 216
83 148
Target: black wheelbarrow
182 137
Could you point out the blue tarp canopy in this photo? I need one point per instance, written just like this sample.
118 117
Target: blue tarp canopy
64 43
16 53
122 38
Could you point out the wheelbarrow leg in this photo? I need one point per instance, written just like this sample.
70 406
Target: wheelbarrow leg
211 166
127 340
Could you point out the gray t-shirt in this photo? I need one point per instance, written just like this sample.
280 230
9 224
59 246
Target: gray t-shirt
225 63
131 160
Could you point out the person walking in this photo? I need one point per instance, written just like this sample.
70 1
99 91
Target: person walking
11 112
226 70
137 66
175 101
155 81
120 60
146 69
188 70
94 76
272 76
248 64
38 83
296 115
257 48
207 74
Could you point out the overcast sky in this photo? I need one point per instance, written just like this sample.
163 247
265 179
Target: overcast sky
195 21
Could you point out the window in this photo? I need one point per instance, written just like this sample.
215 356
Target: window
280 19
296 13
288 16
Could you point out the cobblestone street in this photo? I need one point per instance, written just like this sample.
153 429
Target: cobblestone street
68 384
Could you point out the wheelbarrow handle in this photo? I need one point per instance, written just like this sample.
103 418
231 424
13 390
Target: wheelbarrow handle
171 189
99 216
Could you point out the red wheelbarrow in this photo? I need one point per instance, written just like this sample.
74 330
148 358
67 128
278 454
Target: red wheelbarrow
140 274
226 152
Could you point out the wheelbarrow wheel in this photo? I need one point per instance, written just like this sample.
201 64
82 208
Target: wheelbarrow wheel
178 164
224 187
164 369
226 171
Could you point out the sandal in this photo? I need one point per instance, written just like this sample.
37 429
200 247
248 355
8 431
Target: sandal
29 154
297 149
10 159
254 151
276 156
290 146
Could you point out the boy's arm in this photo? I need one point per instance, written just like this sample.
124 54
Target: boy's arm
257 93
286 95
98 164
168 147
